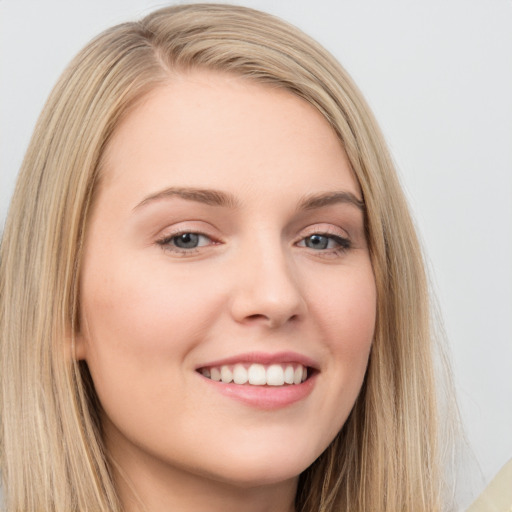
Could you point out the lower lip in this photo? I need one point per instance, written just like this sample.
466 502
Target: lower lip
265 397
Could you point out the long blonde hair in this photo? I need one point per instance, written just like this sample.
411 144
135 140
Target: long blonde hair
386 457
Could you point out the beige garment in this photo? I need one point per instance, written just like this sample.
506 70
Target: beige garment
497 496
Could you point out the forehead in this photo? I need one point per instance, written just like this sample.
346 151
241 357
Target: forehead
204 129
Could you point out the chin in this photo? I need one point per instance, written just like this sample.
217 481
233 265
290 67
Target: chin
260 471
253 478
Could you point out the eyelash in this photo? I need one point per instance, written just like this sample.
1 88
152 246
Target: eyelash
342 244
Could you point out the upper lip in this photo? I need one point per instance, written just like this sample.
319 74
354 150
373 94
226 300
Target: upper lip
265 358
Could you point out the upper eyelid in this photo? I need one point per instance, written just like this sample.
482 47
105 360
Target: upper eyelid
190 226
323 228
317 228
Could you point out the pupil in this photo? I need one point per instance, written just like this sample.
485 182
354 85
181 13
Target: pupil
317 242
186 241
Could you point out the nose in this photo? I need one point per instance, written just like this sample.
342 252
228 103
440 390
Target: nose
267 290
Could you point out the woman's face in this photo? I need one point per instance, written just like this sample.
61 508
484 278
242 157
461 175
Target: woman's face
227 241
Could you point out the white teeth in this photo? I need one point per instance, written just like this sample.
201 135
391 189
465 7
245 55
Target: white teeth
288 374
257 374
215 374
275 375
240 374
226 375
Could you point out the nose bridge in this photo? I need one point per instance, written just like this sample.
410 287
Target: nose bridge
267 289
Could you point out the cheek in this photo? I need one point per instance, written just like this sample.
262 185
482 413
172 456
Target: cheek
140 328
347 310
346 317
139 325
131 305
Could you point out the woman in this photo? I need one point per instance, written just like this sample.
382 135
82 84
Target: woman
212 292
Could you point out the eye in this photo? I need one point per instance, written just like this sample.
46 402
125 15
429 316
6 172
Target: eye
185 241
323 242
189 240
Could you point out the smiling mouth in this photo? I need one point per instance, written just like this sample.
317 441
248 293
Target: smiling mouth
256 374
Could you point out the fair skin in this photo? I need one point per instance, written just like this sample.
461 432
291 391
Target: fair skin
227 231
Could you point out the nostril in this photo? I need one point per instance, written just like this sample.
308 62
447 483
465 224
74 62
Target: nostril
257 317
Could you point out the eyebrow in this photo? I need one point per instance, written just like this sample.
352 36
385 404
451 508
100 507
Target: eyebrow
321 200
206 196
218 198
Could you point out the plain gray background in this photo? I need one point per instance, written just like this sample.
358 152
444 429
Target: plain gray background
438 75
